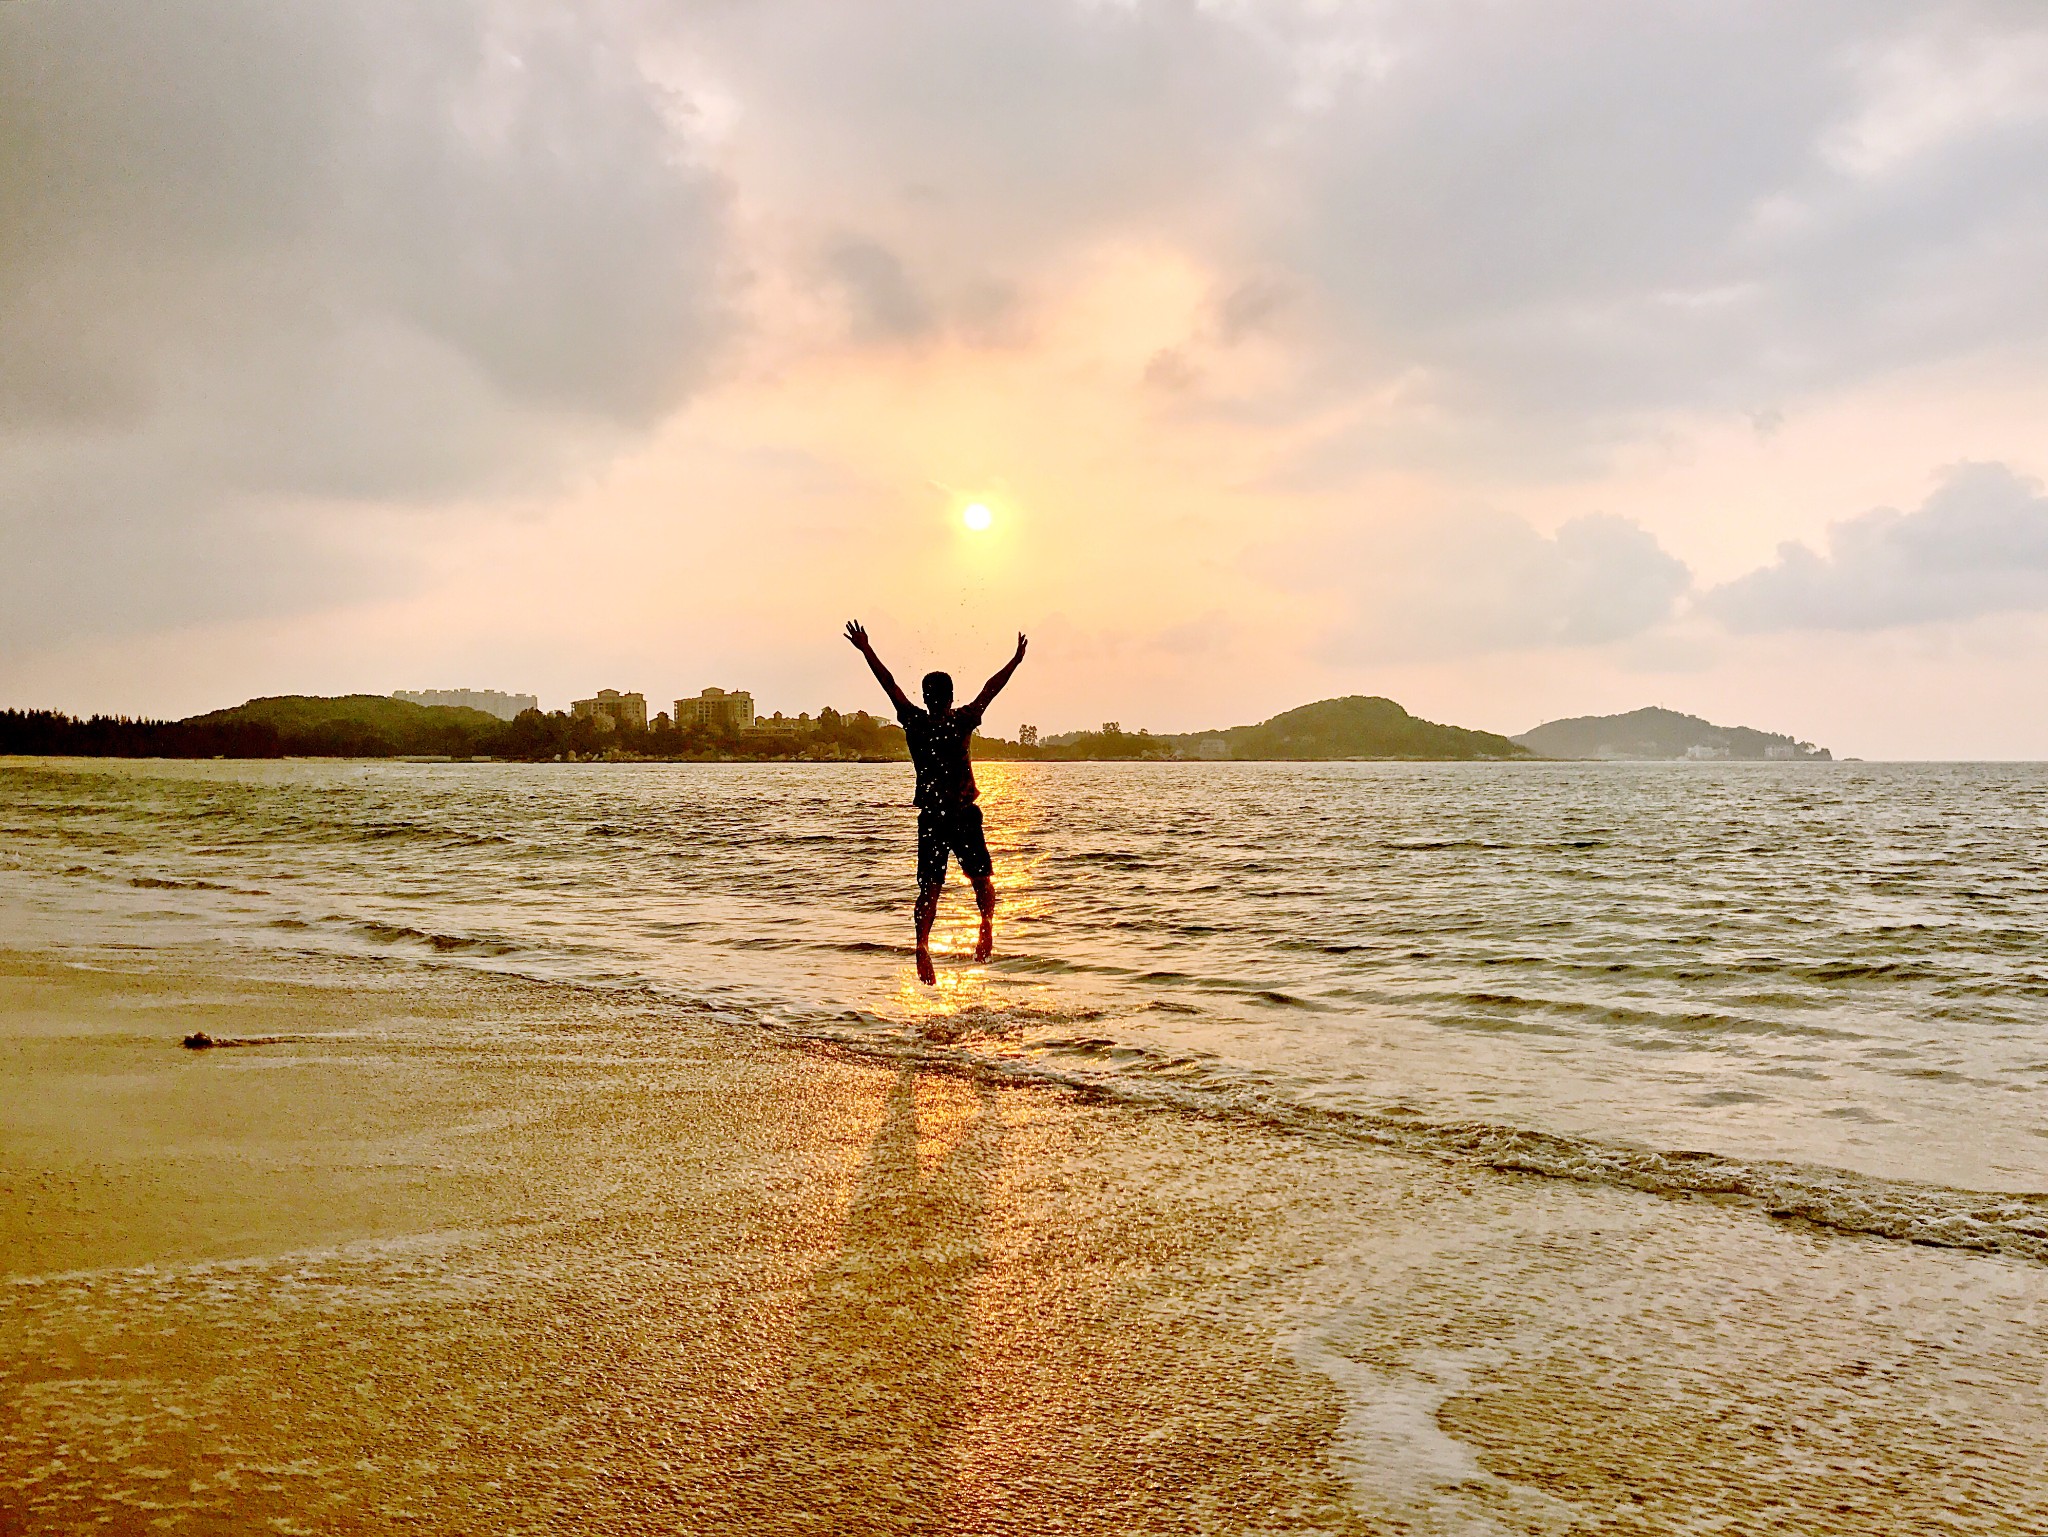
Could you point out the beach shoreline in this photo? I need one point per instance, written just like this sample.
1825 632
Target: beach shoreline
463 1252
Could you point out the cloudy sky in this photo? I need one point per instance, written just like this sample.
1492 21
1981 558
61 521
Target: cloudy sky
1510 359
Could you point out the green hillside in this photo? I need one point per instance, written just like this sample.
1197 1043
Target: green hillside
357 725
1354 727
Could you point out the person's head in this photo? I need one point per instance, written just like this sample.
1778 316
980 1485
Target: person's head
938 691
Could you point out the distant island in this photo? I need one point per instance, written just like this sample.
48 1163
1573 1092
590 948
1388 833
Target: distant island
1358 726
374 726
1656 734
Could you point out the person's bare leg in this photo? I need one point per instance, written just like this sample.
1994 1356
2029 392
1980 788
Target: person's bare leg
985 899
927 909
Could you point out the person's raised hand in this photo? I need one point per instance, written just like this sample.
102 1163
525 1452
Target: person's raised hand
1021 644
857 633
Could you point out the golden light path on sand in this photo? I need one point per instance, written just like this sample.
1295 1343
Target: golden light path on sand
693 1284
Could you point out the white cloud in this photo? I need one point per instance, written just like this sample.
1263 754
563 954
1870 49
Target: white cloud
1486 581
1978 545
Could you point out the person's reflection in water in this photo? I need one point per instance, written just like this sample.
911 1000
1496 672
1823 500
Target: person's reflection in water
862 1437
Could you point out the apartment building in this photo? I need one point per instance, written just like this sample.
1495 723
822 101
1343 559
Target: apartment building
730 710
623 712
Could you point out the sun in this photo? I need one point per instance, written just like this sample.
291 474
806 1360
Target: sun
977 516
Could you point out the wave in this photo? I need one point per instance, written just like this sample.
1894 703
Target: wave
388 934
447 944
2014 1223
160 883
1625 1016
328 831
2010 1223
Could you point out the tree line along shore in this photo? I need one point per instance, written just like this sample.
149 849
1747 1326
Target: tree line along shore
373 726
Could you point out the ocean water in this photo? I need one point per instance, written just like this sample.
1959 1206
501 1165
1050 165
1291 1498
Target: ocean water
1821 989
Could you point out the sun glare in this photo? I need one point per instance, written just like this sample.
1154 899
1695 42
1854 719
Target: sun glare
977 516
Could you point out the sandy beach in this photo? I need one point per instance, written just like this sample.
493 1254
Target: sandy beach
460 1253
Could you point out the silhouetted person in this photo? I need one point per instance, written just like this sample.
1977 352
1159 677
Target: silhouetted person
948 821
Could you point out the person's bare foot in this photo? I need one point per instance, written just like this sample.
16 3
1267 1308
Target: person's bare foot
985 946
925 973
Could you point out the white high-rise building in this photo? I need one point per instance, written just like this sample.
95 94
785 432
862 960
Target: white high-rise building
488 700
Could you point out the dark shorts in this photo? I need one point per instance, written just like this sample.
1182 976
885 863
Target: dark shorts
956 832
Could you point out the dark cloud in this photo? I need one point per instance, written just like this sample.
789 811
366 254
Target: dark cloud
253 255
1977 545
1486 581
883 302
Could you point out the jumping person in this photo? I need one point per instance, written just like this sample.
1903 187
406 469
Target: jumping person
948 821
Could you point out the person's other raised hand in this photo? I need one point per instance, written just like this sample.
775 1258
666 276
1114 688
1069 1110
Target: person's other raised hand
858 634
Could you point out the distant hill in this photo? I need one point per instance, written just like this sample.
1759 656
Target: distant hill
1354 727
354 725
1661 734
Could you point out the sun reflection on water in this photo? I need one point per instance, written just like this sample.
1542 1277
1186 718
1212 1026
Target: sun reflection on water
967 997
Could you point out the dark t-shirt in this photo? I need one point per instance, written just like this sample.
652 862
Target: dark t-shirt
938 749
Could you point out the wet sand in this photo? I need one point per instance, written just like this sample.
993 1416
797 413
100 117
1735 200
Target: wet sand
466 1254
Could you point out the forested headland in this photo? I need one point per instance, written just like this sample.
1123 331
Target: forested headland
371 726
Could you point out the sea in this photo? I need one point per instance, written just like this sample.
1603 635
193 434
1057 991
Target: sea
1821 989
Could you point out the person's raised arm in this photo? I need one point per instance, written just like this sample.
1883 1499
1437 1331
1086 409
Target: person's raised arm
857 633
994 686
